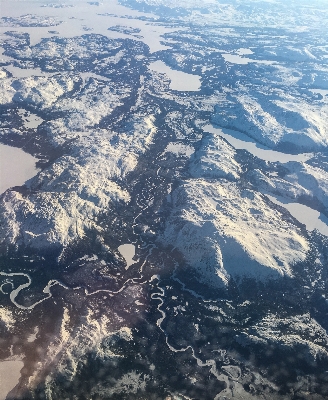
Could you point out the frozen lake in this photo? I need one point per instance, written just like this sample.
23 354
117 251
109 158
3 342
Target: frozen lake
179 80
312 219
323 92
16 167
9 376
128 252
238 59
240 140
244 51
25 73
30 120
84 18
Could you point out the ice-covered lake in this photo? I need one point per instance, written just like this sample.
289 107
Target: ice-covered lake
84 18
16 167
323 92
240 140
179 80
9 376
238 59
30 120
312 219
128 252
25 73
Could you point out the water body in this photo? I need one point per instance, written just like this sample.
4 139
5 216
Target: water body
26 72
9 376
15 292
312 219
84 18
323 92
237 59
243 51
128 252
30 120
240 140
33 336
179 80
16 167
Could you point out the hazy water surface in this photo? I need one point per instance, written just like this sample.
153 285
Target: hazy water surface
9 376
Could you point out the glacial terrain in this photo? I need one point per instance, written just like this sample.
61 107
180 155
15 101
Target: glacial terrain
164 199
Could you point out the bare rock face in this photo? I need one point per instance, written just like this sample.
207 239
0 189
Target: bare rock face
223 231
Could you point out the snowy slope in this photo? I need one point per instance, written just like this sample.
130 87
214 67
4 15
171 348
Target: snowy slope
223 231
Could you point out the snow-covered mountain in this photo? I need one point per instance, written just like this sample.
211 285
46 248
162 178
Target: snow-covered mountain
173 241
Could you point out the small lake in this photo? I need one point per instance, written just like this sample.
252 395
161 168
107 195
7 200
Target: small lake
30 120
25 72
9 376
128 252
323 92
237 59
179 80
240 140
312 219
16 167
